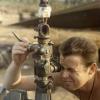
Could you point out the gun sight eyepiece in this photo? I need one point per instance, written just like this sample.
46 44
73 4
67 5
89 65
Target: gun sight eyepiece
43 29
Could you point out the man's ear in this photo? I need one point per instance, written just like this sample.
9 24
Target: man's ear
92 68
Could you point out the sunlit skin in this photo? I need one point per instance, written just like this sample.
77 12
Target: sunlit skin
74 74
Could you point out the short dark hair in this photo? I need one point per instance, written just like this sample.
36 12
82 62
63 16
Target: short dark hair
80 46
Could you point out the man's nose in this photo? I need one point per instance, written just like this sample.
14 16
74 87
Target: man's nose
61 59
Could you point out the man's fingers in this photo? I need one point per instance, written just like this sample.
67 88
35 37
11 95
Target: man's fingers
22 44
24 39
19 49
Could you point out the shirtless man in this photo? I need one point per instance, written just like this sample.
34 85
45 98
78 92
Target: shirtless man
79 75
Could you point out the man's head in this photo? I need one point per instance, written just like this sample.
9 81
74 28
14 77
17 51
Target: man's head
79 57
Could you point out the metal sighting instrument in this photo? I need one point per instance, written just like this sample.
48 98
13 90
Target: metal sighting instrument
44 64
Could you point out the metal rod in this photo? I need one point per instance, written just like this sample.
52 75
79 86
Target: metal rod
17 37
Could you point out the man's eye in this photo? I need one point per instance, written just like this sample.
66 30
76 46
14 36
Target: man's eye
70 70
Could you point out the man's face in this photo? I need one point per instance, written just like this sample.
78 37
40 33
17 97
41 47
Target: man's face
74 74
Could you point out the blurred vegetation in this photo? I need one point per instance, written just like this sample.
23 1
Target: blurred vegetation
32 5
18 5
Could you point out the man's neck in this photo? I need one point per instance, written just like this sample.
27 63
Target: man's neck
88 86
86 90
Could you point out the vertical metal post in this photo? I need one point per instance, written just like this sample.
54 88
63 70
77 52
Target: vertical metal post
42 59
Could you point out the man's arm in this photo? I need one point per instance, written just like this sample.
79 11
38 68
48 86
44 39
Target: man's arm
26 83
13 77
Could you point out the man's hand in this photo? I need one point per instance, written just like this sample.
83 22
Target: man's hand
19 52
